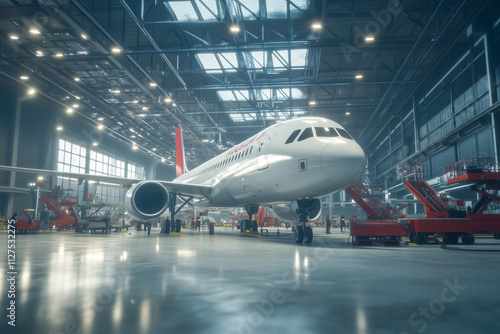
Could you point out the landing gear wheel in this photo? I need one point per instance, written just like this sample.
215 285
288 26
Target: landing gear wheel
468 239
246 225
308 235
178 225
298 234
412 236
421 238
450 238
255 226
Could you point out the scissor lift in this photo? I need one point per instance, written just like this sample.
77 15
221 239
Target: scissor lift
382 224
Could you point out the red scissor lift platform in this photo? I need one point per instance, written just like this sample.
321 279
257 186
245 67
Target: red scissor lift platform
448 222
381 225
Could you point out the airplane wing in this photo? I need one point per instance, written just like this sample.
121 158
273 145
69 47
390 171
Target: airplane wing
195 190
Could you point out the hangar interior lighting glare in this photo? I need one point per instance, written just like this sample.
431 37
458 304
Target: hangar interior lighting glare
59 55
69 110
100 126
77 79
369 39
116 50
84 36
100 118
144 108
163 159
39 53
59 128
135 147
24 77
35 31
316 26
168 99
234 28
152 84
40 178
359 76
76 106
31 91
14 37
312 103
95 143
154 149
347 113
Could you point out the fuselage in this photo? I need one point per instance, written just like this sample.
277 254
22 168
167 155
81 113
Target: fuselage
301 158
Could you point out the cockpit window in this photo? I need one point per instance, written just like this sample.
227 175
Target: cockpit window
306 134
344 133
326 132
292 136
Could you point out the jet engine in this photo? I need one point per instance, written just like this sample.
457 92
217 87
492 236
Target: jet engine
309 209
146 200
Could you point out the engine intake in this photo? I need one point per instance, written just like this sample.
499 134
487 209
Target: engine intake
147 200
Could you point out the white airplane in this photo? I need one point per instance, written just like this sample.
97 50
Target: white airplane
289 165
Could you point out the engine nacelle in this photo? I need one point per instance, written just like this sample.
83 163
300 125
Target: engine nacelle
147 200
291 212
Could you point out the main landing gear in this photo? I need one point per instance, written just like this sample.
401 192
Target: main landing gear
306 209
176 223
249 224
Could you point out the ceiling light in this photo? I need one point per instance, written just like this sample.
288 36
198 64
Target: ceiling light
312 103
163 159
141 115
14 37
116 91
24 77
95 143
59 128
100 126
40 178
369 39
76 105
152 84
145 108
77 79
316 26
348 113
133 136
39 53
359 76
173 104
31 91
168 99
69 110
134 147
59 55
84 36
205 140
234 28
35 31
135 101
154 149
100 119
116 50
77 97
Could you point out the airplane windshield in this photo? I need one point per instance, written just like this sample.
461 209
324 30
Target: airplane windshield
292 136
306 134
326 132
344 133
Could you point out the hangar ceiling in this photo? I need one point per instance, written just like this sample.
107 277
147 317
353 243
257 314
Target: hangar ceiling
225 69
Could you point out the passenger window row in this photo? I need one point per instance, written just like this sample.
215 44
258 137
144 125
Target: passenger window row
229 160
328 132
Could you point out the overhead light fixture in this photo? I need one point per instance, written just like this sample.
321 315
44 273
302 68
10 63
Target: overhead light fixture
59 55
154 149
359 76
152 84
317 26
163 159
234 28
144 108
40 178
69 110
14 37
100 126
31 91
133 136
95 143
135 147
174 105
84 36
168 99
39 53
76 105
59 128
77 79
135 101
100 119
116 91
347 113
205 140
116 50
77 97
369 39
35 31
312 103
24 77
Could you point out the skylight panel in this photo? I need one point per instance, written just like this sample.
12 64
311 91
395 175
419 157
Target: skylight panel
251 116
184 10
241 95
298 57
209 62
278 8
226 95
237 117
265 94
248 9
297 94
280 59
208 9
229 61
282 94
259 59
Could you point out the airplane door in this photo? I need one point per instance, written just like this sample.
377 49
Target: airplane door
262 151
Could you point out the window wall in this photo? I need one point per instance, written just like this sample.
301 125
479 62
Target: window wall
71 159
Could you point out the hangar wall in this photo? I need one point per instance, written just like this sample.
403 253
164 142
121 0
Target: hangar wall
450 116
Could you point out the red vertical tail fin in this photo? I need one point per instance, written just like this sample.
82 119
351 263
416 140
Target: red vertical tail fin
180 160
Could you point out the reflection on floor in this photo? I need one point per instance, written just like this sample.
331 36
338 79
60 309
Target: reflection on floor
194 282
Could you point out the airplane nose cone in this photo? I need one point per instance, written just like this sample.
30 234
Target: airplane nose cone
343 162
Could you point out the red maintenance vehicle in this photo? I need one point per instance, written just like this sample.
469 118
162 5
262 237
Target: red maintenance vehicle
25 224
481 174
382 225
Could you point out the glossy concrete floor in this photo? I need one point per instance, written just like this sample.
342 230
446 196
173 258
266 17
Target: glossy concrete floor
194 282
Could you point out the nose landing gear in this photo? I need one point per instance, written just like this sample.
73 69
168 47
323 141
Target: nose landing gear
306 209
